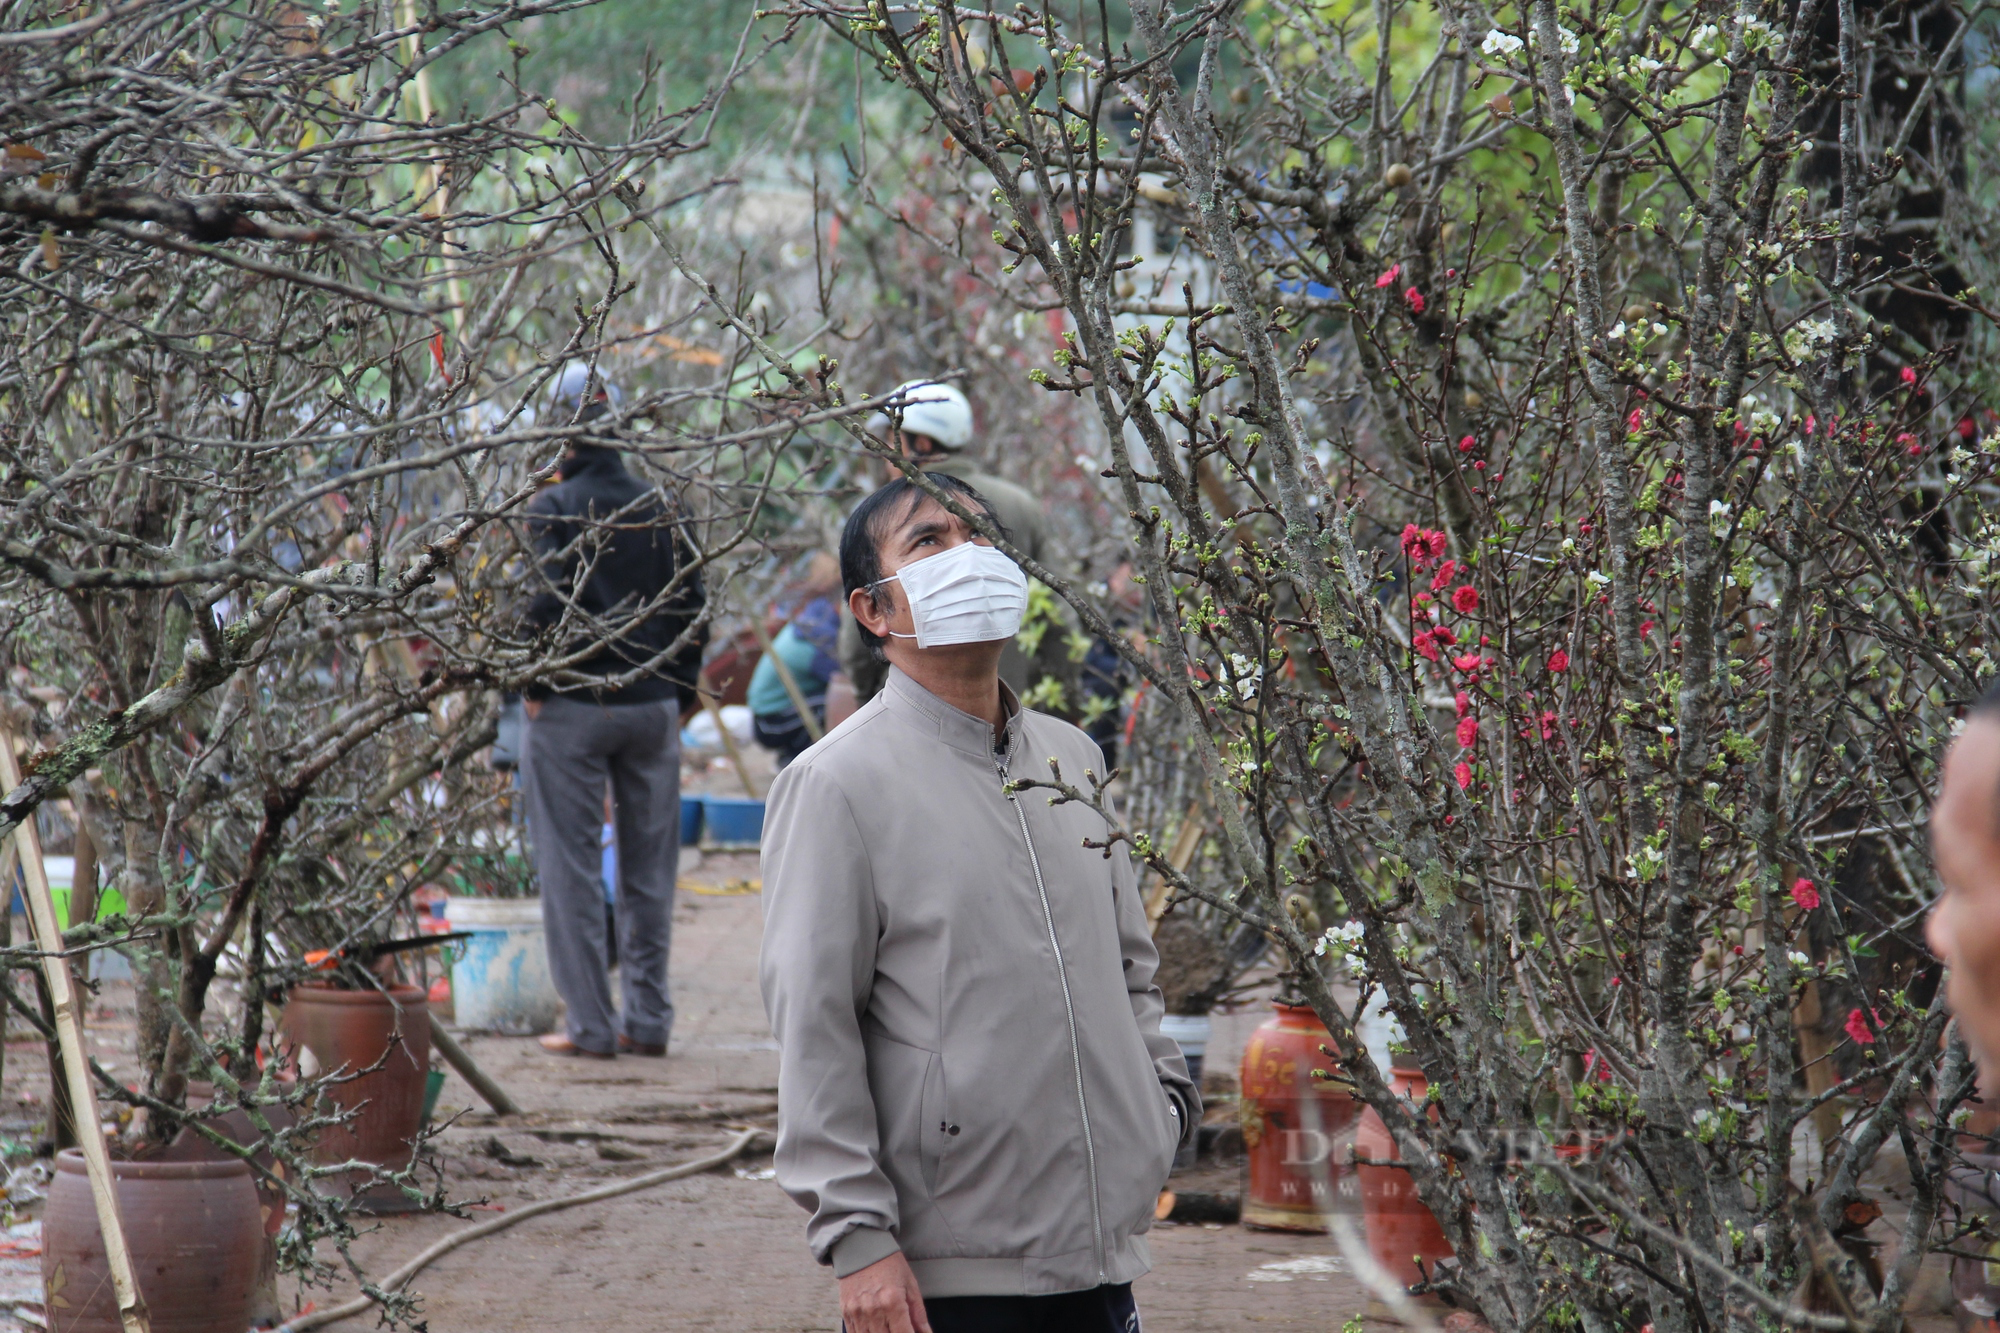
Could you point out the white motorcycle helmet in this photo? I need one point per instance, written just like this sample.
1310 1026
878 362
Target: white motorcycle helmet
939 411
573 383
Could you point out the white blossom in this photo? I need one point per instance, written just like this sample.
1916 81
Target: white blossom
1500 43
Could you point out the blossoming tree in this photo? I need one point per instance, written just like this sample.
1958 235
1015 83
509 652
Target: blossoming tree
1551 443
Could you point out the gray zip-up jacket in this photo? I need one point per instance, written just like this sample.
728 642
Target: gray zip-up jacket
970 1061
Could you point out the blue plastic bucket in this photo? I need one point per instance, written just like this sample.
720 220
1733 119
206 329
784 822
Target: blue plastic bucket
690 820
500 981
733 821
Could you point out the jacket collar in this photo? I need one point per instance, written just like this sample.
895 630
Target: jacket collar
954 726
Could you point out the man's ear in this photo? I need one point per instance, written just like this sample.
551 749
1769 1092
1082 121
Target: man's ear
861 604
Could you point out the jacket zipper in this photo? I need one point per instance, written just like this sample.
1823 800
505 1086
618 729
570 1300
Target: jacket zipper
1069 1009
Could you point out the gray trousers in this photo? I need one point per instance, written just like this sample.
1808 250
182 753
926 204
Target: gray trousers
568 755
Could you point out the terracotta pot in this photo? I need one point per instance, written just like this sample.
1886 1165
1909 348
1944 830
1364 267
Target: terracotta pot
195 1236
1294 1126
357 1030
1400 1228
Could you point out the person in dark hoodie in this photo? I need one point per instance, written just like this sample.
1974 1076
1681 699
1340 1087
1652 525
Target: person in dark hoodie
615 588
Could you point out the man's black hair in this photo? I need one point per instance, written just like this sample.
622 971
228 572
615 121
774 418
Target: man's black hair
861 536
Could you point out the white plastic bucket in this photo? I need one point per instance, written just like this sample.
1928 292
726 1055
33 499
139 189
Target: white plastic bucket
1189 1031
500 980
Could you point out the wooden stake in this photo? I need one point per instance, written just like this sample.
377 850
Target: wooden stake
76 1064
789 681
729 744
1187 839
482 1083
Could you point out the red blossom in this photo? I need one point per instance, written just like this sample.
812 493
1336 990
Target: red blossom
1467 662
1645 628
1395 271
1465 600
1806 894
1468 732
1857 1026
1967 429
1636 421
1446 573
1558 661
1462 702
1437 541
1416 300
1425 641
1909 443
1549 725
1445 635
1464 774
1465 445
1909 375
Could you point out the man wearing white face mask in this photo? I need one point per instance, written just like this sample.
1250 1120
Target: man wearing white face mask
933 428
975 1103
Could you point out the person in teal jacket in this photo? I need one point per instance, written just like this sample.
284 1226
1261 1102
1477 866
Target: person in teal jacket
806 646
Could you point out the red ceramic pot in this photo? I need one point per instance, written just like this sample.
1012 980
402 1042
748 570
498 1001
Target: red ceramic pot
196 1239
1294 1125
1400 1228
357 1030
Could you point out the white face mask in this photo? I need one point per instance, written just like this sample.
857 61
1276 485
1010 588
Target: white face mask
967 594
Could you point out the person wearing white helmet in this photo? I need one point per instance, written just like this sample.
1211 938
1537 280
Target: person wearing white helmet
930 423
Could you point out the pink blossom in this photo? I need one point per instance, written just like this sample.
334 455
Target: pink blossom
1549 725
1395 271
1558 661
1468 732
1909 375
1464 774
1416 300
1462 702
1423 546
1636 421
1909 443
1425 641
1445 635
1468 662
1465 446
1446 573
1465 600
1857 1026
1645 628
1806 894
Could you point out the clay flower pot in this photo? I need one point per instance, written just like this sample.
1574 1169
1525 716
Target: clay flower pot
1400 1228
1294 1126
196 1238
355 1030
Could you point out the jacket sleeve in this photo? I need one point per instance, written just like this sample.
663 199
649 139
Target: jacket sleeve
818 971
550 534
1142 964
